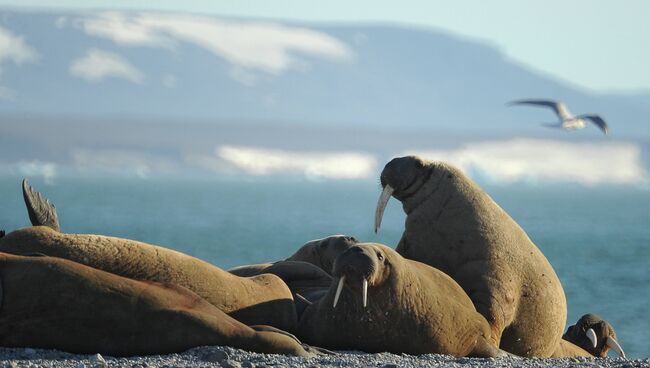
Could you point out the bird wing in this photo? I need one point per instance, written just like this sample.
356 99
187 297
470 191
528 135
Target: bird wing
596 119
559 108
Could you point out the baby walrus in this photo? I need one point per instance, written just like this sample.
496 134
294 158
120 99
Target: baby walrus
382 302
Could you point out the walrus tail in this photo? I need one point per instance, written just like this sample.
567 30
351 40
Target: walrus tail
41 211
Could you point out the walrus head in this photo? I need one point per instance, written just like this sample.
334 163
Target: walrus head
361 266
595 335
401 178
323 252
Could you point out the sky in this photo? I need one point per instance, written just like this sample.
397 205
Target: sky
596 45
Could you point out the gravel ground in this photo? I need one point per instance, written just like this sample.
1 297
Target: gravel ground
229 357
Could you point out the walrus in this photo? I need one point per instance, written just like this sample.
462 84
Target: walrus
307 272
382 302
263 299
452 225
323 252
54 303
319 252
307 282
595 335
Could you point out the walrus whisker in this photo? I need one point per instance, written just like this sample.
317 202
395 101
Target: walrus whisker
338 290
365 292
591 335
612 343
381 205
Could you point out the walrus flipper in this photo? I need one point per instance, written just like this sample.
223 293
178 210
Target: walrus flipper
309 348
41 211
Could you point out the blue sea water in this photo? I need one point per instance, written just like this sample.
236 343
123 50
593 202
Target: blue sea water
596 238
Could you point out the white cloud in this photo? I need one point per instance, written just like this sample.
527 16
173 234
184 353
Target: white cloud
547 161
46 170
125 30
257 46
13 48
98 65
312 165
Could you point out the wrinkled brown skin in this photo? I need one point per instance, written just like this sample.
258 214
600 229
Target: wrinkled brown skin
323 252
568 349
319 252
412 308
263 299
454 226
300 277
307 282
54 303
306 272
576 334
250 270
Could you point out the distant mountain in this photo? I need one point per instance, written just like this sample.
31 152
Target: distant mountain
147 94
188 67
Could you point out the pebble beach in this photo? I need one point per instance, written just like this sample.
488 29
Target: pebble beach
214 356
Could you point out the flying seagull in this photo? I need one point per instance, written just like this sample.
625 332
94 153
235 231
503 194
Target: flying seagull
567 120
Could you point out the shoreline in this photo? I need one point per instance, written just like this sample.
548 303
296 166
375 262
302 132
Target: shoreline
216 356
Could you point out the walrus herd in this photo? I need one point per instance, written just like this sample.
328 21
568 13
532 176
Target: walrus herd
464 280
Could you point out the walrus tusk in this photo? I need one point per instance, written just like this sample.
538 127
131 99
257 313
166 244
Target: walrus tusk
591 335
612 343
365 292
381 205
338 290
